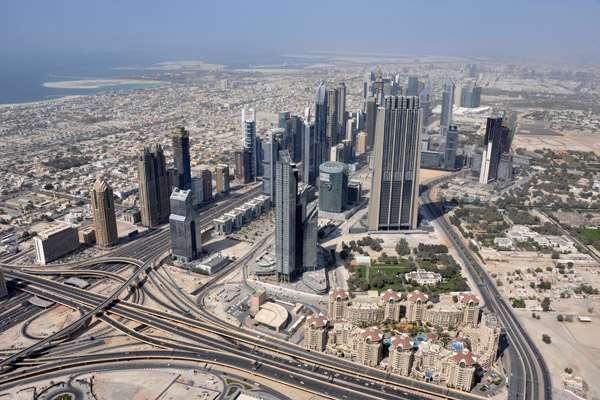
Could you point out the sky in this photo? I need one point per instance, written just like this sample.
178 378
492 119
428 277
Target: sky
191 29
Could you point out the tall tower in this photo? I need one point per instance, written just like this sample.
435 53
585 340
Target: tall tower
341 112
378 87
321 121
285 216
105 220
447 102
206 176
184 227
242 166
425 104
249 139
497 136
332 118
451 146
396 162
413 86
310 151
154 185
371 121
181 155
271 150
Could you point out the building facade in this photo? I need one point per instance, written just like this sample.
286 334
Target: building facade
181 158
55 242
338 304
333 186
242 166
154 186
184 227
222 172
315 332
105 219
396 165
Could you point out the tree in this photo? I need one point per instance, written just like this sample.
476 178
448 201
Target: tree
559 318
402 247
546 304
555 255
48 186
546 339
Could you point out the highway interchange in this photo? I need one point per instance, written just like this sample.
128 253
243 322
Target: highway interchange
205 338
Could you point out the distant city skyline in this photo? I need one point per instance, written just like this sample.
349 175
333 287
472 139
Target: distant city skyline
549 30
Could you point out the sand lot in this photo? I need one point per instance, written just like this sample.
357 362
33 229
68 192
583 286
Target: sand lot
576 141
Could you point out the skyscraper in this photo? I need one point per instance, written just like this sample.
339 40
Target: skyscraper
332 118
285 217
271 155
222 171
184 227
292 136
206 176
451 146
378 87
154 186
368 89
425 104
396 163
249 139
181 155
497 142
311 151
105 220
413 86
242 166
333 186
447 102
321 121
341 112
361 147
371 121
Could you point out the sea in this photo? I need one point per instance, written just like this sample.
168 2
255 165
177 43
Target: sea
22 76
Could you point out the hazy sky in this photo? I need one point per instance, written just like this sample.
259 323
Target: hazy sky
189 29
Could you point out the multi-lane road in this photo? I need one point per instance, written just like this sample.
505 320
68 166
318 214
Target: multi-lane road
530 378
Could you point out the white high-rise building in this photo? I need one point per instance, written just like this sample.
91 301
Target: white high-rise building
249 139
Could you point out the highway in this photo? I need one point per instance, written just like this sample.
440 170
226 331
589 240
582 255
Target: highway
529 378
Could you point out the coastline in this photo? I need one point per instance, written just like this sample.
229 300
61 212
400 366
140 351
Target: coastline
98 83
66 97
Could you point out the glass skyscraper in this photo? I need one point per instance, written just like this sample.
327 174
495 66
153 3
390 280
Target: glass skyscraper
181 156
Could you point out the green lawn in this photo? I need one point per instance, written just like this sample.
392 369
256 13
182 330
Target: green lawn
592 234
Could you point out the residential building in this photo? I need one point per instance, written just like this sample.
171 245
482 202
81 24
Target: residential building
207 187
364 313
371 123
451 147
390 302
315 333
416 307
396 165
423 277
413 86
361 146
338 304
271 150
242 166
401 354
321 122
447 104
311 151
286 189
370 347
105 219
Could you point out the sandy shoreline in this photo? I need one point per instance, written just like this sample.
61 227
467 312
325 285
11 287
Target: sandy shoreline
6 105
97 83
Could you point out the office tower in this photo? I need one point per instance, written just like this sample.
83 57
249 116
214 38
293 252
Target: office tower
368 89
242 166
105 220
206 176
321 121
333 186
378 87
505 167
309 239
154 186
361 147
181 156
451 146
413 86
396 163
285 215
332 128
447 102
350 129
249 139
505 139
259 156
292 136
271 150
341 111
491 155
371 121
55 241
222 171
197 191
311 151
425 104
184 227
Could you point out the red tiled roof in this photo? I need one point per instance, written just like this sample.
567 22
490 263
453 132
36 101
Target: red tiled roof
338 293
416 295
318 320
390 294
464 356
468 298
372 333
404 341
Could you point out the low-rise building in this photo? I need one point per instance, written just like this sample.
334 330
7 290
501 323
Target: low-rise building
423 277
55 241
